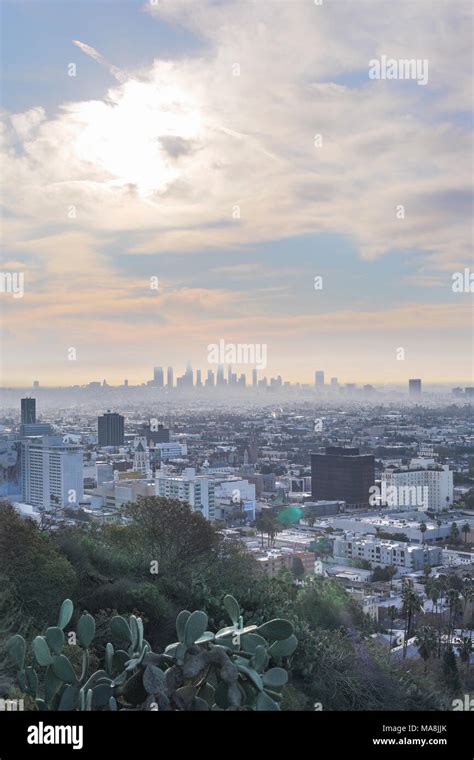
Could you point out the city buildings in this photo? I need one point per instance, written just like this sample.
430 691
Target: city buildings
29 426
35 428
414 387
429 488
156 433
28 411
383 553
51 473
113 494
110 428
158 377
342 474
104 472
197 490
394 523
141 456
170 450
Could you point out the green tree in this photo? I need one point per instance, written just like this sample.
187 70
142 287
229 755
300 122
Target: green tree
423 529
426 641
465 529
168 532
450 671
38 576
392 611
465 649
267 524
454 534
455 607
297 568
467 594
411 604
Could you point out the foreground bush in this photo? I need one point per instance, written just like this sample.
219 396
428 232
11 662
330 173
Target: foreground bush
237 668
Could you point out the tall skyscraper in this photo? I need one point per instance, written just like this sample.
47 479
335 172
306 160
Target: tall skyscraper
220 375
52 473
334 382
414 387
169 377
198 379
158 377
319 379
342 474
110 428
210 378
254 378
28 411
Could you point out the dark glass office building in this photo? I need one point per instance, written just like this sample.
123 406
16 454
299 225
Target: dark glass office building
110 428
28 411
158 435
342 474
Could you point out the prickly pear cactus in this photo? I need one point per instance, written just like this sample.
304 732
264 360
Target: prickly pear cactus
237 668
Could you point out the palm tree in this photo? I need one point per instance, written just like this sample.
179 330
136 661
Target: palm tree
455 607
426 641
465 529
432 592
442 582
467 594
391 611
260 524
454 534
411 604
423 529
391 571
439 524
465 649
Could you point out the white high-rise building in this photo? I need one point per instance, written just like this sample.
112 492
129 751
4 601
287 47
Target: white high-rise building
52 473
433 482
197 490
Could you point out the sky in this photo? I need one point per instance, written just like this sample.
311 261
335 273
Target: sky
178 173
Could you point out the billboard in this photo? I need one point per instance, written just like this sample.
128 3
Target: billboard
10 471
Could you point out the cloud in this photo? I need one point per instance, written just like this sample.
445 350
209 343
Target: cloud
274 131
187 141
